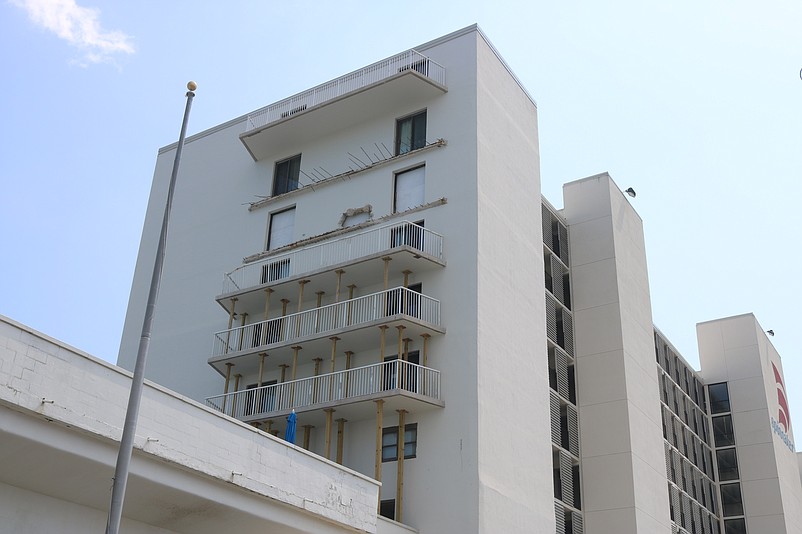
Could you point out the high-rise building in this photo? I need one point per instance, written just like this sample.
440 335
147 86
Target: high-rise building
373 254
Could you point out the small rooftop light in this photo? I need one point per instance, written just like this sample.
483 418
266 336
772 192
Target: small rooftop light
770 332
629 191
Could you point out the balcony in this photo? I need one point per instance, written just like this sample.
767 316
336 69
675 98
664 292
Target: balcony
411 246
402 384
342 102
399 306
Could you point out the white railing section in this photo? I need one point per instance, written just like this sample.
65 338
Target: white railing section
348 384
360 310
329 253
409 60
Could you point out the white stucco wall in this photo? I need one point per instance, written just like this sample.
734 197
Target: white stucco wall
623 466
61 406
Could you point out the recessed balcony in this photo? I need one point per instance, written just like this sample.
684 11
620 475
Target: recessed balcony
411 247
400 307
404 78
402 384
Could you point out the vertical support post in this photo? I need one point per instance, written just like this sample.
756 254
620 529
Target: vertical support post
377 471
307 434
284 327
283 367
295 350
382 342
405 296
329 412
334 341
317 314
348 355
351 288
317 365
262 356
386 261
406 273
339 273
269 424
241 330
340 431
236 397
399 482
265 326
301 284
225 388
425 363
231 315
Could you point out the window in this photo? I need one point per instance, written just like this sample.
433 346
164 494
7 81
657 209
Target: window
723 433
387 509
727 464
282 228
735 526
719 397
731 499
390 442
409 189
410 133
285 176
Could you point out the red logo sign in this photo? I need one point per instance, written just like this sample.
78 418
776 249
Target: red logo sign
783 417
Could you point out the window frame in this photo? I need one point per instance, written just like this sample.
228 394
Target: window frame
290 180
414 134
271 219
393 430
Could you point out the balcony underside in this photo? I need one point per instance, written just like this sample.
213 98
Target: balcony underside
368 268
352 409
403 89
355 338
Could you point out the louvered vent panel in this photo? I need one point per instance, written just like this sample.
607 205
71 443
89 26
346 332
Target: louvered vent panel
675 502
670 395
551 318
568 332
686 507
546 218
697 518
554 404
668 460
557 279
561 365
573 431
579 523
563 232
567 478
706 523
559 517
675 459
674 528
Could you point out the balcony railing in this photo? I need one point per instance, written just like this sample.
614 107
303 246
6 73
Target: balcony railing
390 376
338 251
354 81
319 321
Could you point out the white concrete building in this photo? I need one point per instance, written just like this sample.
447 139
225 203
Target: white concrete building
384 250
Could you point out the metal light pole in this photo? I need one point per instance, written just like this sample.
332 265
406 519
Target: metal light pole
131 415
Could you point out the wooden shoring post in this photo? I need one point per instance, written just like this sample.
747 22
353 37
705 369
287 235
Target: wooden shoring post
237 378
284 303
340 432
283 367
399 481
386 261
307 434
329 412
317 365
282 326
348 355
408 370
377 472
405 293
231 315
269 424
275 432
225 388
262 356
294 373
351 288
382 341
243 316
265 326
425 363
301 284
334 340
406 273
236 389
340 273
317 314
400 354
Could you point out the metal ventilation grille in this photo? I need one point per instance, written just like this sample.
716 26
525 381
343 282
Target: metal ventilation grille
561 365
567 478
551 318
668 460
579 523
546 221
675 459
697 517
675 502
557 272
568 332
559 517
686 508
573 431
563 233
554 405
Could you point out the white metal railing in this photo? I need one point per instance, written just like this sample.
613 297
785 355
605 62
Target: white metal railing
356 311
337 251
409 60
348 384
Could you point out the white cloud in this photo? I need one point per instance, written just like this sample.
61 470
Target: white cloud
79 26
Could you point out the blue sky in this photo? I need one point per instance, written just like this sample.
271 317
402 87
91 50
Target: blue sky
697 105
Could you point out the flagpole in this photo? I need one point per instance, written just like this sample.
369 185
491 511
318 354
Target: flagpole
137 383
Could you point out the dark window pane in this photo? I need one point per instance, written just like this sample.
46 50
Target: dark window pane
735 526
719 398
727 464
731 499
285 177
723 433
410 133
